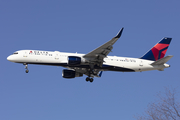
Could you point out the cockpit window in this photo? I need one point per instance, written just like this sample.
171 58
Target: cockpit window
15 53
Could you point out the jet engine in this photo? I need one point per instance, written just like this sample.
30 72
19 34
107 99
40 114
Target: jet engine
74 60
71 74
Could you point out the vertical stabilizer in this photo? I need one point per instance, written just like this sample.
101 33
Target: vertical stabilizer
158 51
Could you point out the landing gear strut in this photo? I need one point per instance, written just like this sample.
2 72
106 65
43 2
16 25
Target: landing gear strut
89 79
26 67
91 72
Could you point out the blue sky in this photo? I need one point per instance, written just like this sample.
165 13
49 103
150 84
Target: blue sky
81 26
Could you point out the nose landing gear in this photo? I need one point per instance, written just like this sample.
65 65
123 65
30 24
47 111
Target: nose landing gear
26 67
27 71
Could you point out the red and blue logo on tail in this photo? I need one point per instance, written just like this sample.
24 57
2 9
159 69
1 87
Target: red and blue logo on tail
158 51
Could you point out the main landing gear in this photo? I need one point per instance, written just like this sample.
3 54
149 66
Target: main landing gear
26 67
91 72
89 79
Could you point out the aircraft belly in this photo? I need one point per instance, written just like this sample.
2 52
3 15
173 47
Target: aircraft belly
115 68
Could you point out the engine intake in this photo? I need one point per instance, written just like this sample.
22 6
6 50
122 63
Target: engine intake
74 60
71 74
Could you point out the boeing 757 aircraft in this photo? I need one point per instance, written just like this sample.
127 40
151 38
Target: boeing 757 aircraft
93 63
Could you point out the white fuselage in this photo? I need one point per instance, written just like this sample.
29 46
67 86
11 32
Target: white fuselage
111 63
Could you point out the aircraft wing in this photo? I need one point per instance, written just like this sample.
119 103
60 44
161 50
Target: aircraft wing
96 56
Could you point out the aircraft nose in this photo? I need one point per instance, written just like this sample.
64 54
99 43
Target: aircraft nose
9 58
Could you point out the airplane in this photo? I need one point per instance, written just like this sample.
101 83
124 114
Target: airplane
95 62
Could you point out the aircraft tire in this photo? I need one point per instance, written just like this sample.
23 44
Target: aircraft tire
91 80
27 71
87 79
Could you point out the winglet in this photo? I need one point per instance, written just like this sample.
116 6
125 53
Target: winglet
100 74
119 33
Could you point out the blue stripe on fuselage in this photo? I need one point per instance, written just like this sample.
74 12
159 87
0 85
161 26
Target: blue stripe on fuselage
104 67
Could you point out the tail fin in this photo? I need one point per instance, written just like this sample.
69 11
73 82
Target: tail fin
158 51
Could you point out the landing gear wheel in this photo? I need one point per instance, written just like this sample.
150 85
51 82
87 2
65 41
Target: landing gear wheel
87 79
27 71
26 67
91 80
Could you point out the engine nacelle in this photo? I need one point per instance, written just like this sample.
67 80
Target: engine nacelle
71 74
74 60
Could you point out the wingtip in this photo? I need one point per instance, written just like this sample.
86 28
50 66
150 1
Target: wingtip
100 73
119 33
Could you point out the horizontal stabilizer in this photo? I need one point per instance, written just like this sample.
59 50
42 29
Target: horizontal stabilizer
162 60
